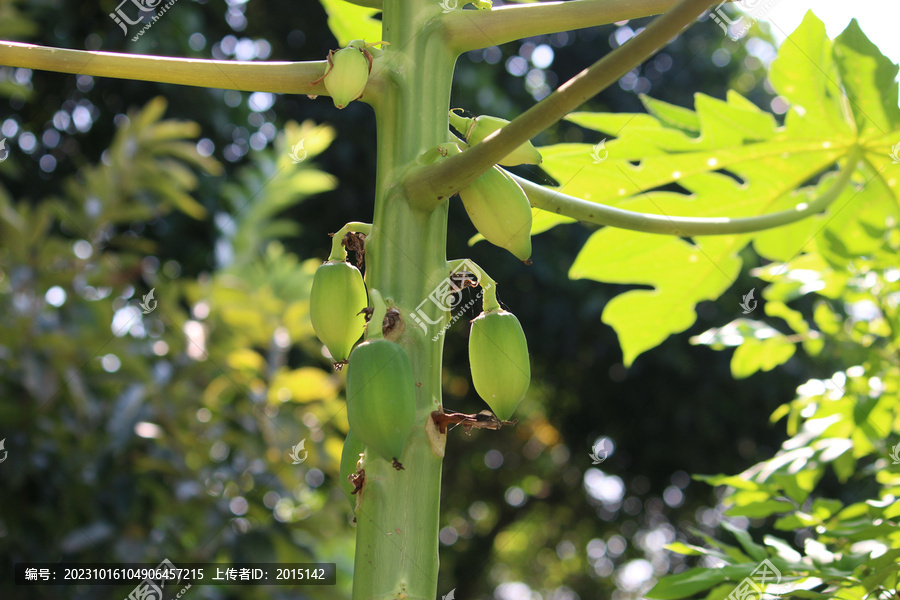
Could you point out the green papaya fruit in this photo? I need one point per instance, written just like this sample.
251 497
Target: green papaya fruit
500 211
338 295
477 129
348 74
381 396
498 357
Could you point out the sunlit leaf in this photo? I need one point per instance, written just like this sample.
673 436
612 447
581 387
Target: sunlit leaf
350 22
760 509
761 355
644 318
729 158
693 581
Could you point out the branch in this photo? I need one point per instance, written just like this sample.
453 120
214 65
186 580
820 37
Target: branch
599 214
429 185
472 29
249 76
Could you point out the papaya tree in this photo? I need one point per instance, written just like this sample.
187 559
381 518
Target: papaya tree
744 178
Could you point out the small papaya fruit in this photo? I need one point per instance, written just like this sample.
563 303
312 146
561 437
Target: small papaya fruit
338 295
381 396
498 358
348 73
480 127
500 211
349 457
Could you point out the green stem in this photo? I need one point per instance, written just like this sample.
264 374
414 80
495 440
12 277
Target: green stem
460 123
599 214
338 252
398 517
373 330
249 76
489 298
469 30
488 285
430 185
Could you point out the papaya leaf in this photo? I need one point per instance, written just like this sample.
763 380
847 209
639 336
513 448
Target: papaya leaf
868 78
645 318
728 158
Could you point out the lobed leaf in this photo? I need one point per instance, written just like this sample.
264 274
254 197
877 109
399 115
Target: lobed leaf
730 158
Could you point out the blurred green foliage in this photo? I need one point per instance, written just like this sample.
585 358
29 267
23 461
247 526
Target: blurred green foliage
830 494
123 402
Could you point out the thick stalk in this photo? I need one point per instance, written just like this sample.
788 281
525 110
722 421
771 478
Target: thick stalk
469 29
337 248
249 76
590 212
398 515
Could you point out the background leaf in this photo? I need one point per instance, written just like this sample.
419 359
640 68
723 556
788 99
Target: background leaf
351 22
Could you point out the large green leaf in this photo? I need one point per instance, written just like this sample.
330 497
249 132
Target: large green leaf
644 318
868 79
730 158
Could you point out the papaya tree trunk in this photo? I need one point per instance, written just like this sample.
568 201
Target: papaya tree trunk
397 513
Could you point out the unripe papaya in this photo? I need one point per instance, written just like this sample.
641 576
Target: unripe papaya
500 211
348 74
483 125
338 295
498 357
349 457
381 396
